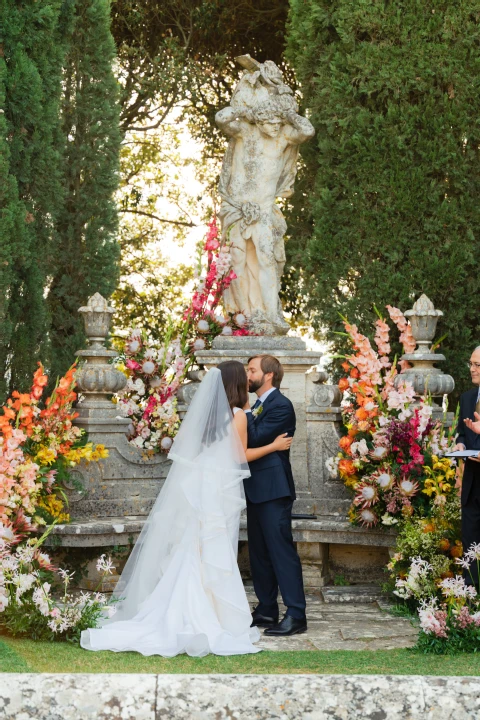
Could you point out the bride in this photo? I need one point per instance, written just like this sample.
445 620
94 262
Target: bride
181 590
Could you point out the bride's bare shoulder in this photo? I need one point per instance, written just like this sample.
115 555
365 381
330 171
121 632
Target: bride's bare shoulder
239 417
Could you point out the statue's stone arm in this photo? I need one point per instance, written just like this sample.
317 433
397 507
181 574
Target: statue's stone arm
229 120
299 128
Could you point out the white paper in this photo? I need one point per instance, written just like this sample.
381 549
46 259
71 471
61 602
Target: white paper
463 453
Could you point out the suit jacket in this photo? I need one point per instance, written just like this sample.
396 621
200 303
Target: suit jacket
470 439
271 475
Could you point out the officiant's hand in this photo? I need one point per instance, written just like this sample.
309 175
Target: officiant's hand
282 442
472 425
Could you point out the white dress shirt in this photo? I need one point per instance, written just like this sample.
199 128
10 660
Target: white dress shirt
263 397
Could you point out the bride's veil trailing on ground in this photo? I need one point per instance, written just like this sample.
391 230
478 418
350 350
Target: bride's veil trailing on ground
202 496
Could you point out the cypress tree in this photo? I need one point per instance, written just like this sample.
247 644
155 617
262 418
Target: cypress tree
390 205
88 251
32 49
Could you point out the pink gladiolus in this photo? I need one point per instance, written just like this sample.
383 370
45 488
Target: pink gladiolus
382 338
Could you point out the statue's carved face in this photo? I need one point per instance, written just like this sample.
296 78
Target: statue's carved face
270 127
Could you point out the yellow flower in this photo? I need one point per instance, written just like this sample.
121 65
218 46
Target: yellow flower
54 506
45 456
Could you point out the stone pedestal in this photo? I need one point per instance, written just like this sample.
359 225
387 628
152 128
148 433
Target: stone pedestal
297 385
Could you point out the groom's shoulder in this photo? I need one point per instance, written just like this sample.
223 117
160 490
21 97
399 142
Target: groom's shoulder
281 398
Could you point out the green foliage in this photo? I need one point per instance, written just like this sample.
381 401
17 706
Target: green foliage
32 49
388 206
88 252
459 640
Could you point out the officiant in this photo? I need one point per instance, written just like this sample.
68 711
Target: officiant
468 438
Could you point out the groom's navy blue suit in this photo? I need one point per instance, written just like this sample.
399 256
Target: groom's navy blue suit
270 493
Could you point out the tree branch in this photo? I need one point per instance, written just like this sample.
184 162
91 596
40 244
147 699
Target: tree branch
155 217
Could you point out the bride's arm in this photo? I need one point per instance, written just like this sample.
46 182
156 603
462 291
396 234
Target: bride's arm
280 443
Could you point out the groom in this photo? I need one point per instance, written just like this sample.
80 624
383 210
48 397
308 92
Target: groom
270 493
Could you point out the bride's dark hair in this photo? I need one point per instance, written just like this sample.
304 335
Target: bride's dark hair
234 380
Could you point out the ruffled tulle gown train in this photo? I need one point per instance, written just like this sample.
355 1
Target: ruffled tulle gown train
181 590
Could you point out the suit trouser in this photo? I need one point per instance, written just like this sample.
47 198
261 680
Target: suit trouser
274 561
471 524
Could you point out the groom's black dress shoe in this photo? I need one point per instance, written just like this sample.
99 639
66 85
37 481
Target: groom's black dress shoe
259 620
287 626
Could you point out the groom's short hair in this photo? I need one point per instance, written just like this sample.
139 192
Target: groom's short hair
270 364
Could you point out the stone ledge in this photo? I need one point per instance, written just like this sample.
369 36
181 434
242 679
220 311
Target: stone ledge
121 530
238 697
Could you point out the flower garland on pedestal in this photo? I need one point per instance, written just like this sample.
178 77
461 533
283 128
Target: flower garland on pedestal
155 375
392 457
37 447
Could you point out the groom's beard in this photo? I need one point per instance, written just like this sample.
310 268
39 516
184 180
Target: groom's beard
255 385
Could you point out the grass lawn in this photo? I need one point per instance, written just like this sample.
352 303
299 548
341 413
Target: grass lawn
18 655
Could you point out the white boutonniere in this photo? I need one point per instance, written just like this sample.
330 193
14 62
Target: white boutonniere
257 411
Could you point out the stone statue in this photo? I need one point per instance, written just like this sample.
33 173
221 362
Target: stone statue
260 165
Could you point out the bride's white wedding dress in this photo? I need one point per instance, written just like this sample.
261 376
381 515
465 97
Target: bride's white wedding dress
181 590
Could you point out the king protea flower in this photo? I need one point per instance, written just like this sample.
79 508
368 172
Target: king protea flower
366 495
408 487
379 452
385 480
368 517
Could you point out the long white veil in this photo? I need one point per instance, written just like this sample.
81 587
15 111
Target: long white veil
201 501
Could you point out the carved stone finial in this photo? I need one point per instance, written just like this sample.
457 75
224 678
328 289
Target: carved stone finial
96 376
423 319
425 378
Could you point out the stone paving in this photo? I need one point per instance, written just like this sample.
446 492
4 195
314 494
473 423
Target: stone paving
345 619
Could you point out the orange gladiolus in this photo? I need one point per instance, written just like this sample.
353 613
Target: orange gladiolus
346 366
343 384
39 378
352 432
354 373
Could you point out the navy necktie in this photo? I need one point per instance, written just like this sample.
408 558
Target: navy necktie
256 404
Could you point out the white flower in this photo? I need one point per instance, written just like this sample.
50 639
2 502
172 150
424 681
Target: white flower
148 367
379 452
359 448
220 319
25 554
332 466
105 565
155 382
132 346
166 443
473 552
100 598
226 330
385 480
389 519
240 319
65 575
457 588
40 598
3 599
203 326
368 516
6 533
199 344
23 582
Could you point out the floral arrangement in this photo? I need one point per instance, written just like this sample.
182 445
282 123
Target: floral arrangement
390 455
38 444
155 375
449 623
